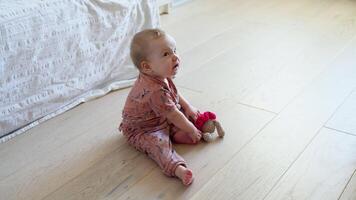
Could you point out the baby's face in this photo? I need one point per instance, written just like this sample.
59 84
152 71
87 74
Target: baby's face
163 59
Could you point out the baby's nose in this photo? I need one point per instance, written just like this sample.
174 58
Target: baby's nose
175 57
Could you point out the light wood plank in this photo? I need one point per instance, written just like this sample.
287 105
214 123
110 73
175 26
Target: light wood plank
345 118
258 166
322 171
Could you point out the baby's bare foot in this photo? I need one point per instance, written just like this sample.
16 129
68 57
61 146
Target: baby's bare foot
184 174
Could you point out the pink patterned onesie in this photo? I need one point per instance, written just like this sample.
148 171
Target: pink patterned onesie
144 122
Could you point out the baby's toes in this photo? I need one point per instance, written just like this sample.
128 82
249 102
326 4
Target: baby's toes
188 177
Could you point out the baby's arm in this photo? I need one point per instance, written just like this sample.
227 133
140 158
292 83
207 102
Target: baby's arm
183 102
179 120
190 111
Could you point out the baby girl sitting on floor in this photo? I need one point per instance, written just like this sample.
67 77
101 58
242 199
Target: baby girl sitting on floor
155 113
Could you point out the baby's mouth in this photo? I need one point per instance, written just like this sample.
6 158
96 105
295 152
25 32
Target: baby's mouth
176 66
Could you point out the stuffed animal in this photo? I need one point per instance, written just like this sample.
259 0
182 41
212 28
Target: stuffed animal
206 123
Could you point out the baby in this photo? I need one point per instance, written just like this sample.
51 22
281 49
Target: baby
155 113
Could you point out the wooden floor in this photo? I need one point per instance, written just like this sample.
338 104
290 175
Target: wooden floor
280 74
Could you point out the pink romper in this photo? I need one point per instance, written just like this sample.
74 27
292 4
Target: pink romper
144 121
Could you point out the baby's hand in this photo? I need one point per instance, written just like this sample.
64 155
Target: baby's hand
196 136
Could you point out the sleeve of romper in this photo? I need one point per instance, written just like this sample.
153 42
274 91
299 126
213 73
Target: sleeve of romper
161 102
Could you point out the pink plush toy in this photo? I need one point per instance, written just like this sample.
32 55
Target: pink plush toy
206 123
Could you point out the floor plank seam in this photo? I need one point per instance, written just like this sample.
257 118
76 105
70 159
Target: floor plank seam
190 89
339 131
348 182
233 46
142 178
232 156
337 108
320 74
295 160
83 171
208 39
323 126
139 180
258 108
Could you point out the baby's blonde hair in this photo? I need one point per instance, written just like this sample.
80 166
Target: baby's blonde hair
140 42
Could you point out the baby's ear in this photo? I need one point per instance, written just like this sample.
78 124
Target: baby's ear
145 67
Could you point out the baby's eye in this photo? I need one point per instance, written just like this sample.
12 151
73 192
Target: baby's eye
165 54
175 50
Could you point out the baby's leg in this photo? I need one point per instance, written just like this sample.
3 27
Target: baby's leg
158 146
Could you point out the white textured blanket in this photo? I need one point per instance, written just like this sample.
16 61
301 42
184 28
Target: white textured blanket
55 54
